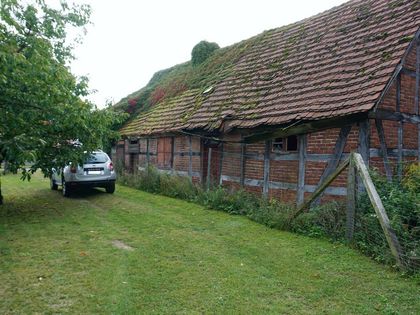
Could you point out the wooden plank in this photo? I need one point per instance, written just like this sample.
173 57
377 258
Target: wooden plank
305 127
351 200
190 156
209 168
379 208
321 188
266 167
242 164
394 116
364 140
147 151
393 152
384 149
302 164
408 72
172 148
333 191
363 147
336 157
221 156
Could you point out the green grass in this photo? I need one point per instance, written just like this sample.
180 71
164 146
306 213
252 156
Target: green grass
56 256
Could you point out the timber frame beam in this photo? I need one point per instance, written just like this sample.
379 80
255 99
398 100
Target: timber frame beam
394 116
305 127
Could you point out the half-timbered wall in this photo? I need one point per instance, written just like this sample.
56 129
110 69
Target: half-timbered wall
388 138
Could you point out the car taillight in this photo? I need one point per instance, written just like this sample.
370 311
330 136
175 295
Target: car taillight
73 169
111 166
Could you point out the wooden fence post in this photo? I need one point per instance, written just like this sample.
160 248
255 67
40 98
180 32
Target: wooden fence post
379 209
351 199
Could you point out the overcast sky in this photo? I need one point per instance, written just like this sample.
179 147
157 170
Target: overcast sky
130 40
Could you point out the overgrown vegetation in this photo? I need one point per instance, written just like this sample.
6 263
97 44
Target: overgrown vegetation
199 74
202 51
402 202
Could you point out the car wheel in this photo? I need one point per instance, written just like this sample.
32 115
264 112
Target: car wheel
110 188
53 185
66 189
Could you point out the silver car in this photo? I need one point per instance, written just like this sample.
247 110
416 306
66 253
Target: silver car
97 171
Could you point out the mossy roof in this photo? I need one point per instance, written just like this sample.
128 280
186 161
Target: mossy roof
333 64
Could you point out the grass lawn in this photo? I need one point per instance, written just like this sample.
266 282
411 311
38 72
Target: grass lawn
59 255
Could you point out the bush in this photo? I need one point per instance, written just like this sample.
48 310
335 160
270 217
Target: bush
402 204
202 51
326 220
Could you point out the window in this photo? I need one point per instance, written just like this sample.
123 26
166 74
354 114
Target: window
285 144
97 157
278 145
164 152
134 141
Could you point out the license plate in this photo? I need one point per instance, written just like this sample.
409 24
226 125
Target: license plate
94 172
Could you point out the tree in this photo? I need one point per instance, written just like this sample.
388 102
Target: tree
42 113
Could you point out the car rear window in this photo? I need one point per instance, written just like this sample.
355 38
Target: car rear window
96 158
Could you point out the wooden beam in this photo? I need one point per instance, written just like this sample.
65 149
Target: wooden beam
209 168
190 156
147 152
400 150
351 201
400 127
304 127
394 116
364 146
172 152
321 188
266 167
336 157
302 163
384 149
242 165
408 72
379 208
364 140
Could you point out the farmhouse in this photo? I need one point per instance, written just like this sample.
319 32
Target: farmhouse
276 113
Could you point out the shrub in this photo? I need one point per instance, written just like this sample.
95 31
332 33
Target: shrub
327 220
402 204
202 51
